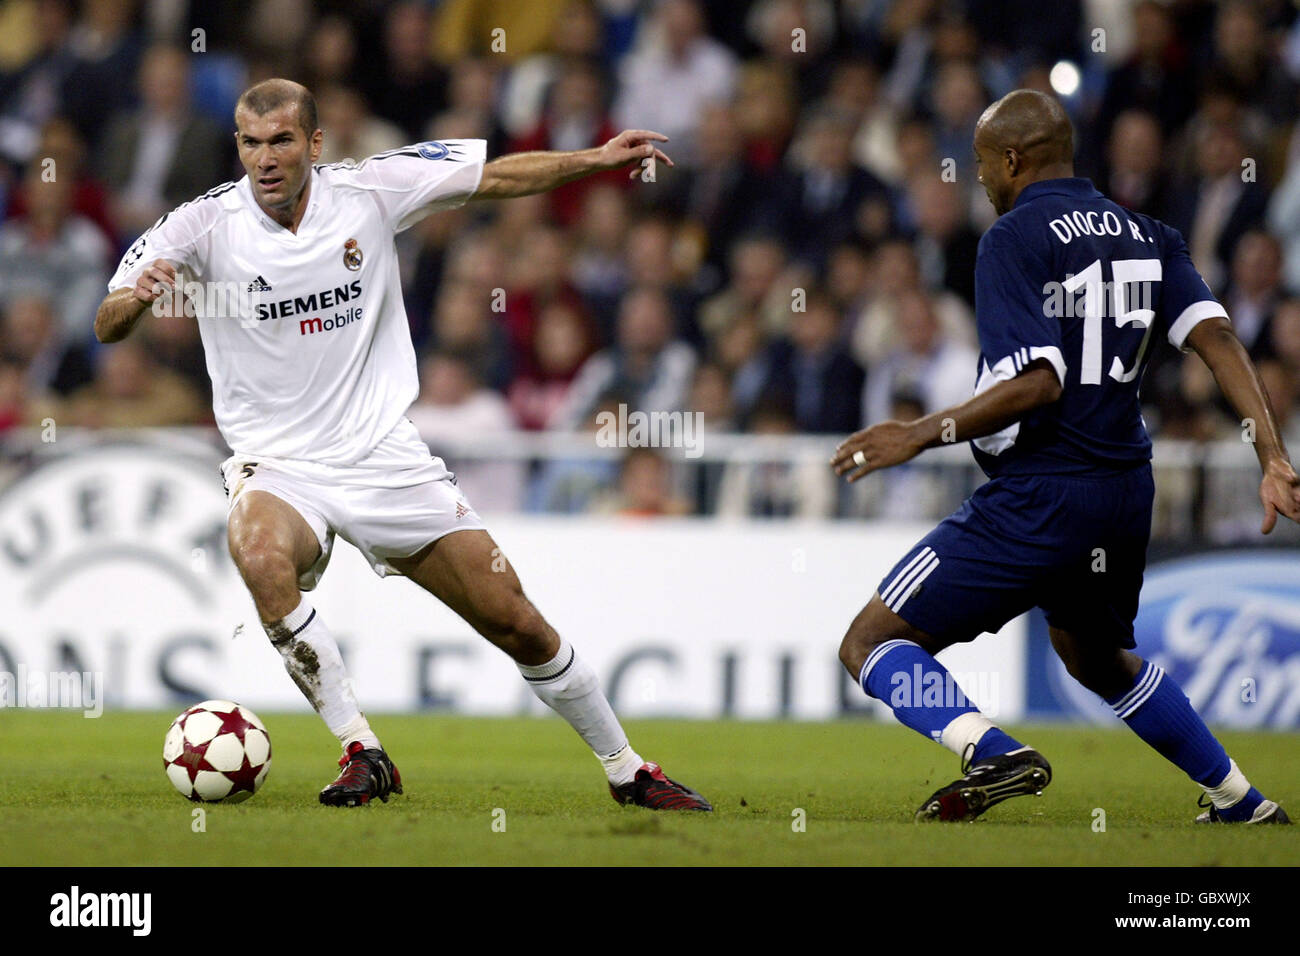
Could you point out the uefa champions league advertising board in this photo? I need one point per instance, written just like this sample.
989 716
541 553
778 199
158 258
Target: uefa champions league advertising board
119 592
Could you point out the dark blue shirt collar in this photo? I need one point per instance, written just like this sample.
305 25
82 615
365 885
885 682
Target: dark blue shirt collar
1076 186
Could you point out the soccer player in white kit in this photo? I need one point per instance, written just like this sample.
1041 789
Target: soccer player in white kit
312 376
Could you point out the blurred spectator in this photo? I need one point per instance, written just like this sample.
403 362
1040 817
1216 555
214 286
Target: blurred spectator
575 118
471 108
645 363
598 268
798 34
577 32
875 332
463 323
31 93
937 373
1254 289
756 267
1245 64
13 396
815 373
466 28
958 100
130 391
331 55
653 261
775 489
645 487
105 47
62 144
721 193
572 484
538 277
454 406
1157 77
351 130
826 194
766 113
173 341
1214 210
32 340
1133 176
945 243
673 74
401 82
1283 216
561 342
53 252
161 154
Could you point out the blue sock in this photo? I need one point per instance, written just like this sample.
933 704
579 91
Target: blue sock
924 696
1158 711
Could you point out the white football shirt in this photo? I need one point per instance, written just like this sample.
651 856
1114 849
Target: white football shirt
305 334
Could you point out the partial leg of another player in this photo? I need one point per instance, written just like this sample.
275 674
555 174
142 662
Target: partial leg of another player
272 545
1157 710
467 572
894 662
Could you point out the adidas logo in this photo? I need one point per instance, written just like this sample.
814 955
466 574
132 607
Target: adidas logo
259 285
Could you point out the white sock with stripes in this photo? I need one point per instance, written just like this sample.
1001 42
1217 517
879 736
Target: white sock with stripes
568 686
312 658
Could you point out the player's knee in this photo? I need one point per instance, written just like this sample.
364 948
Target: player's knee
855 648
262 562
518 628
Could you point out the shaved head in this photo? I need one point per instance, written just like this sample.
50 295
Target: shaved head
272 94
1032 123
1022 138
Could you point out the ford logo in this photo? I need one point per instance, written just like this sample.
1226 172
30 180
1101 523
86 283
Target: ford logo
1226 627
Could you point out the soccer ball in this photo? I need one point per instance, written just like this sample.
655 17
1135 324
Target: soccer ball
217 752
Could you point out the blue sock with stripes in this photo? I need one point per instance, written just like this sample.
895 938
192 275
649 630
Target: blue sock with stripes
1158 711
924 696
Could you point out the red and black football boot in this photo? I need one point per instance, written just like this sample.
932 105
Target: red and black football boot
366 773
651 789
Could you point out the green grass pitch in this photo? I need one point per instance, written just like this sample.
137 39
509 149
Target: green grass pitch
93 792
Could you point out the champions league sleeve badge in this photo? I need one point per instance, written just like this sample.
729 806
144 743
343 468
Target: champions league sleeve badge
352 255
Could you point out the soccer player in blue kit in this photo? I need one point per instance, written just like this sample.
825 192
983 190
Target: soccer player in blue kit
1071 291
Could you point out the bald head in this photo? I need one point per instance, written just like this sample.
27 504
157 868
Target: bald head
1022 138
1032 123
270 95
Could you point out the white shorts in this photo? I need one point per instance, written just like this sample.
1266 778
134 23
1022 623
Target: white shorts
392 503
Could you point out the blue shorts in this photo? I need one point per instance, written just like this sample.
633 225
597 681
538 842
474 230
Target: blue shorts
1074 546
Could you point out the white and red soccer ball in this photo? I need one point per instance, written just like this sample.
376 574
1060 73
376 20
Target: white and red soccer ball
217 752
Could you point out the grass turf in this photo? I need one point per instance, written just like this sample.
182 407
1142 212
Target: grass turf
93 792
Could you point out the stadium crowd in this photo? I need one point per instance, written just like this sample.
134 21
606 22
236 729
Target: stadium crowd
806 268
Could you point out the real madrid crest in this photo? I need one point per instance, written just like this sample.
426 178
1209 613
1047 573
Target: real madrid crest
352 255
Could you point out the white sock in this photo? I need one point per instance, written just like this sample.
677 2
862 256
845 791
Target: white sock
312 658
1231 789
568 686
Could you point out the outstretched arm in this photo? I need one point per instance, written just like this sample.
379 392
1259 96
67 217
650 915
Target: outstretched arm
892 443
1216 343
522 174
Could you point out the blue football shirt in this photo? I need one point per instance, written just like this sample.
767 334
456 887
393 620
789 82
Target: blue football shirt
1071 277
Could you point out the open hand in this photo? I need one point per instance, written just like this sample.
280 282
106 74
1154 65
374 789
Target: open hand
1279 492
882 446
632 146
